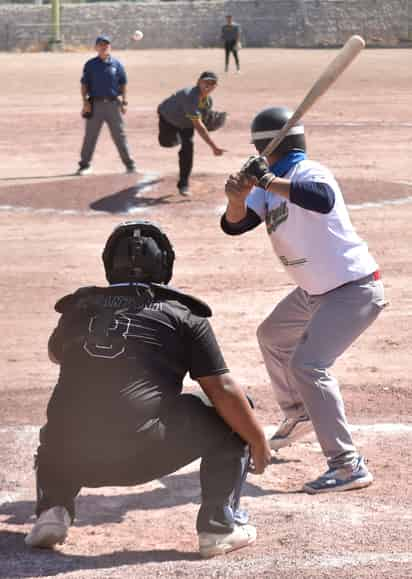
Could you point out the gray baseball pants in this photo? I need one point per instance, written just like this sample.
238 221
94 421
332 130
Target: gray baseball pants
301 339
105 112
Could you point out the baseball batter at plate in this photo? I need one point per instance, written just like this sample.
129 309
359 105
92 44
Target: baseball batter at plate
339 292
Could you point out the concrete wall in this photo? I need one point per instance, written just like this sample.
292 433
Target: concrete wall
184 24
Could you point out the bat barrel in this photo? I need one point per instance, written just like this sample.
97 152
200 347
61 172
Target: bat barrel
346 55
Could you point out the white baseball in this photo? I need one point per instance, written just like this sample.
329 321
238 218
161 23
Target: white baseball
137 35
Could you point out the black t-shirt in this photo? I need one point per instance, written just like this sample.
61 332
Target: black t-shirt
122 362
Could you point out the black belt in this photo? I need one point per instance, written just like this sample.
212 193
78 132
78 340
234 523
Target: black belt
105 99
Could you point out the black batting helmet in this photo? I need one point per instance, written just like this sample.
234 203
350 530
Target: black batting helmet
268 123
138 251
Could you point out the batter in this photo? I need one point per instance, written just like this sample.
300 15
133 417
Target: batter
339 292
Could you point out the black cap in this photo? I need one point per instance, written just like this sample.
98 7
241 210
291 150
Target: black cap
208 75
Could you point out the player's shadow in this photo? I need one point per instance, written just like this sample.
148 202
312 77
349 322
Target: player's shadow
48 563
99 509
129 200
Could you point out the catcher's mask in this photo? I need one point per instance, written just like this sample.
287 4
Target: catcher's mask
138 251
268 123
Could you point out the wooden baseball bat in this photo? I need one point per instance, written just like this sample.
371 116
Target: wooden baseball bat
342 60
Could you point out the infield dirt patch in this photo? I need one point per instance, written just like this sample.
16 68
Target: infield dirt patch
53 227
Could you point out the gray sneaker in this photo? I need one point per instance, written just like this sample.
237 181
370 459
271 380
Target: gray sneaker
291 430
50 528
355 476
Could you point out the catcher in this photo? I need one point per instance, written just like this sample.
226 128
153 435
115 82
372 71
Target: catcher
182 113
118 416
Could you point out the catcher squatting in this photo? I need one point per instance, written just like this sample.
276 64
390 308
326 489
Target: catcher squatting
117 415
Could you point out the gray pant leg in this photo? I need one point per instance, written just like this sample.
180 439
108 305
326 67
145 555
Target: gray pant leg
114 119
92 130
278 335
339 317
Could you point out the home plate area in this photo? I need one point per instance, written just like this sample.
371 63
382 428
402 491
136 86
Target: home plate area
153 523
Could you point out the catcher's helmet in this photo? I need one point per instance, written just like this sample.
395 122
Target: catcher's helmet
138 251
267 124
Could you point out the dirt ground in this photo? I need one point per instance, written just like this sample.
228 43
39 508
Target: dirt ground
53 227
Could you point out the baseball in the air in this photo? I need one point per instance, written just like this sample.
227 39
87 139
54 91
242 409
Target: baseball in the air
137 35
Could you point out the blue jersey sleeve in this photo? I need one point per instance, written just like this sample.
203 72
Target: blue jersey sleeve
314 190
85 79
250 221
121 74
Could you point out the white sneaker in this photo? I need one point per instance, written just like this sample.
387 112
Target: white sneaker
184 191
50 528
291 430
84 171
213 544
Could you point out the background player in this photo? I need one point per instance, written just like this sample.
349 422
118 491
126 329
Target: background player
179 116
231 41
339 291
118 416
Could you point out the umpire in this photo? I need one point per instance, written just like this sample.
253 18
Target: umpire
117 415
104 94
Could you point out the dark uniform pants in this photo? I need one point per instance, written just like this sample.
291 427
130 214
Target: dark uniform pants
107 111
171 136
187 430
231 47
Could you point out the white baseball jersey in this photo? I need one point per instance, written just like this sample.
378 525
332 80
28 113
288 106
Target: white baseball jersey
320 251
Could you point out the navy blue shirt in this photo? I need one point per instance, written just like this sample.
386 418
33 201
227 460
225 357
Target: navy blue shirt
103 78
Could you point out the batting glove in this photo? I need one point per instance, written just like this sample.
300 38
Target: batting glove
258 168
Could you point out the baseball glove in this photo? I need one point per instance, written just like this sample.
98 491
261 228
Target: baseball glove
213 120
88 114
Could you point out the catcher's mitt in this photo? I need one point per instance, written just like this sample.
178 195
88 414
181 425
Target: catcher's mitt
213 120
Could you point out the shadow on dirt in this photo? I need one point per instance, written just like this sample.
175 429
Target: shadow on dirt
20 562
49 563
128 200
180 489
106 193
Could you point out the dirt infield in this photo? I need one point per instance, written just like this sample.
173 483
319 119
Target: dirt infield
53 226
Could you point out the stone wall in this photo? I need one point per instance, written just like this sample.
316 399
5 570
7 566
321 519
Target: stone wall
197 23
